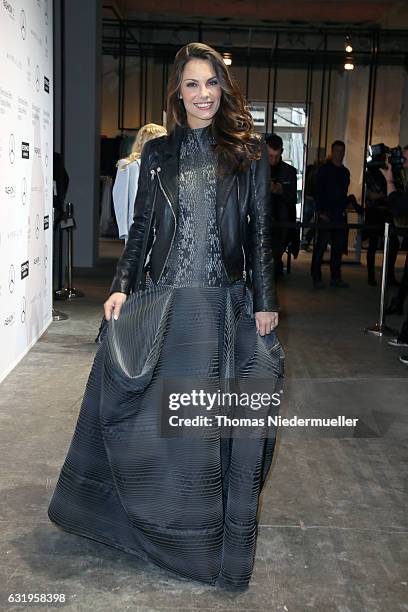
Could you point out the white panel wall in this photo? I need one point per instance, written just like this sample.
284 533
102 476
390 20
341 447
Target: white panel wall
26 157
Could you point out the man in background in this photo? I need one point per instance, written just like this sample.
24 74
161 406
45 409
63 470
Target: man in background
283 201
332 183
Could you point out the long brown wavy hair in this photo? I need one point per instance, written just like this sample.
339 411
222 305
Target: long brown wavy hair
232 126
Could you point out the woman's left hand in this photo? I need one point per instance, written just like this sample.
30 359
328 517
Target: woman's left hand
266 322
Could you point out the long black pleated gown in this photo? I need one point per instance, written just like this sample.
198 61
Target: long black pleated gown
185 500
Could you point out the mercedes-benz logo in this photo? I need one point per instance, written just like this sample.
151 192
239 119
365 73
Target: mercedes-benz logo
23 309
11 279
12 149
37 226
37 78
23 24
24 191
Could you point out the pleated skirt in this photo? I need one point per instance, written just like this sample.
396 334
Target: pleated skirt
183 497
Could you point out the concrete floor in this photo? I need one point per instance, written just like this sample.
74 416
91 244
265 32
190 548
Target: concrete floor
334 522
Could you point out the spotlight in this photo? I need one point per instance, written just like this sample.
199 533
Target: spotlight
227 59
349 65
349 46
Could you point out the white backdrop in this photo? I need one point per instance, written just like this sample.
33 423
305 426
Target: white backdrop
26 159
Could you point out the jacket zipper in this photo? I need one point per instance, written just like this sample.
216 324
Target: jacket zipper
175 222
242 244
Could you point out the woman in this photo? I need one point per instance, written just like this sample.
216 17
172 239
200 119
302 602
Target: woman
184 497
125 187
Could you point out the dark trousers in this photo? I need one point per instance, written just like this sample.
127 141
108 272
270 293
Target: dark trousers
403 290
337 243
403 335
308 216
373 238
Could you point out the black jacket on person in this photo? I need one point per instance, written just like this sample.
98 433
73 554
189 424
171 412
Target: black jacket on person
243 218
398 203
331 190
284 205
286 175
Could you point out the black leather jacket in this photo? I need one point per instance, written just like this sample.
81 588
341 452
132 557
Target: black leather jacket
243 215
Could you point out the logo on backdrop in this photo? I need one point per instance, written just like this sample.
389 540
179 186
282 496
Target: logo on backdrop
9 8
37 77
46 222
46 12
46 84
24 269
9 320
11 279
46 154
23 24
37 226
12 148
25 150
10 191
24 191
23 309
45 255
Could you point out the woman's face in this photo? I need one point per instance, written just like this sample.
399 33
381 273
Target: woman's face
201 92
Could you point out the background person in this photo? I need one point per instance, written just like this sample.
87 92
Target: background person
333 180
283 201
377 212
125 187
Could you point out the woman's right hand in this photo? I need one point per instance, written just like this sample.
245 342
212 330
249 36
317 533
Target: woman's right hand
113 305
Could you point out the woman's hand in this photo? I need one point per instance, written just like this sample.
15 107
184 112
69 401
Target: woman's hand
266 322
113 305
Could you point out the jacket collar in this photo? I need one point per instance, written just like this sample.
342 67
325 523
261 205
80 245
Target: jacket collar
170 170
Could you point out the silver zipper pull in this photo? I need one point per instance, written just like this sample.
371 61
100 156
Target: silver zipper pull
152 172
158 169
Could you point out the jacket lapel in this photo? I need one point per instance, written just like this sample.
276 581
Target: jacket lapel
224 186
169 164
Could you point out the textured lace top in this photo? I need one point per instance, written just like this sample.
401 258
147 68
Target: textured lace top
195 256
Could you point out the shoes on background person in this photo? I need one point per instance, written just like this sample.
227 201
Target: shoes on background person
338 282
397 342
372 282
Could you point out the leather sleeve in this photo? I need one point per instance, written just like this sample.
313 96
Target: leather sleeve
127 265
260 233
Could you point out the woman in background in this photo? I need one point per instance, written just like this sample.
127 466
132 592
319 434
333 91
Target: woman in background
125 188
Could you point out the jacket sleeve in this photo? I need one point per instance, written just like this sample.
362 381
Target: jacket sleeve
127 265
120 195
321 189
398 203
260 234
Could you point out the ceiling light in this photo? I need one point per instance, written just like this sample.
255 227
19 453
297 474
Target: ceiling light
348 65
348 46
227 59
